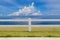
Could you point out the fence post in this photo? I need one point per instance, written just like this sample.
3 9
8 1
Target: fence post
29 24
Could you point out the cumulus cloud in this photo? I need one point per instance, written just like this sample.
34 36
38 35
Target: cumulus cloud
37 13
30 10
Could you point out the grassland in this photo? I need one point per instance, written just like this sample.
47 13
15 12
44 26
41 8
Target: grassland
36 32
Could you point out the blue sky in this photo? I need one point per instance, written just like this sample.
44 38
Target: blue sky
25 8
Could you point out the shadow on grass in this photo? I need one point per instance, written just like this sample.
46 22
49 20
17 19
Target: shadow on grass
29 36
9 35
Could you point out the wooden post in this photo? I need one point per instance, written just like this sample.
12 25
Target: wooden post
29 24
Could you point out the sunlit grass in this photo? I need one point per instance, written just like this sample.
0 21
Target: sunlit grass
36 32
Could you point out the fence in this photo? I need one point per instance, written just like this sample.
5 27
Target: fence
29 22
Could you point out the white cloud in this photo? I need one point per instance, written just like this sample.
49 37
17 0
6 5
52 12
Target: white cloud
30 10
37 13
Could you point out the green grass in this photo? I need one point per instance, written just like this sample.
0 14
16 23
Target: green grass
36 32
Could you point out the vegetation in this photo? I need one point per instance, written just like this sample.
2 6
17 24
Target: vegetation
36 32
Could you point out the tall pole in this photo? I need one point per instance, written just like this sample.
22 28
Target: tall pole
29 24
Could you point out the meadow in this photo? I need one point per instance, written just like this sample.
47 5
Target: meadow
36 32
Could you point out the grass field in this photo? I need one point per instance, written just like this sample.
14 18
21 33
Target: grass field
36 32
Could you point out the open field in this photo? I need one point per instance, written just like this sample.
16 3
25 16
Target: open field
36 32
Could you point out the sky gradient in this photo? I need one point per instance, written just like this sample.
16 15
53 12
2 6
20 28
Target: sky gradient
25 8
